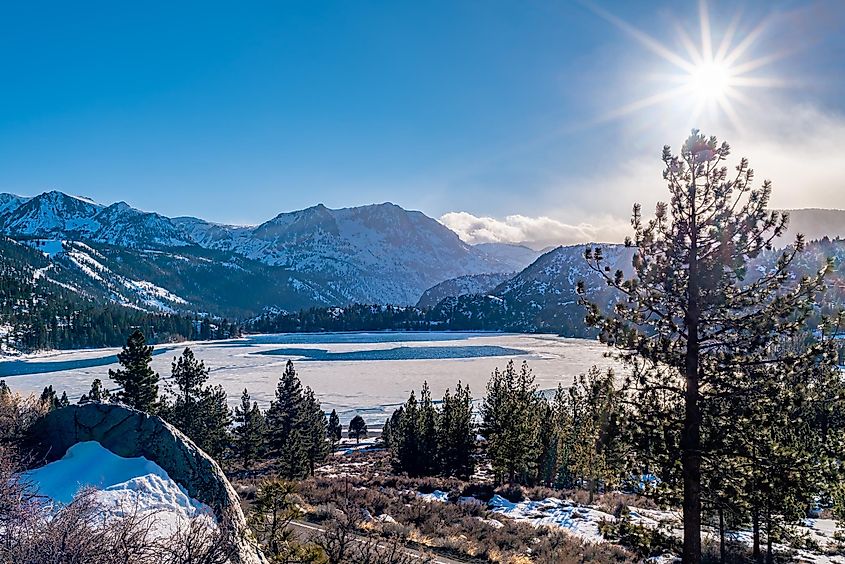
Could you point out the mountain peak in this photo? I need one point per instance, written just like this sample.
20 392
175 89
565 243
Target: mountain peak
58 196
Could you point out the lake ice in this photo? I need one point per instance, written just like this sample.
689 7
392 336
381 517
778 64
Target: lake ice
366 373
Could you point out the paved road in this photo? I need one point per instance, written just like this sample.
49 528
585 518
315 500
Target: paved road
309 530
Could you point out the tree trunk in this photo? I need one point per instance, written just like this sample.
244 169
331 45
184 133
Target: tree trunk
770 557
755 524
691 438
721 535
691 432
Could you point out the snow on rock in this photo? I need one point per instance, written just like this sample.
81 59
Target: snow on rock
581 521
122 486
436 495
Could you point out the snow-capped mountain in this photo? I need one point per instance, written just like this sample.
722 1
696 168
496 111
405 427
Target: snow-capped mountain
313 257
390 254
49 213
461 286
374 254
542 297
122 225
60 216
10 202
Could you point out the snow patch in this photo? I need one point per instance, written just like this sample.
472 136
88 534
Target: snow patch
122 486
436 495
50 247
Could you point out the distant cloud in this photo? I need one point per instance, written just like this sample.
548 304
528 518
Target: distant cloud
536 232
799 150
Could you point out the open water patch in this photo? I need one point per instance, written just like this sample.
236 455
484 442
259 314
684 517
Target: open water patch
398 353
23 367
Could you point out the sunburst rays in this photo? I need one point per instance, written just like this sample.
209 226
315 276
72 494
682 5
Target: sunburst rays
708 76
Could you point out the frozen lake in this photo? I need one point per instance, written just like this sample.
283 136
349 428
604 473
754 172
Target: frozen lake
366 373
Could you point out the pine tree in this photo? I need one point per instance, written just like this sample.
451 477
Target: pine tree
335 430
187 382
250 431
97 393
547 446
49 399
456 434
510 421
315 425
198 410
791 445
593 414
693 315
357 429
285 426
138 380
427 433
217 417
404 438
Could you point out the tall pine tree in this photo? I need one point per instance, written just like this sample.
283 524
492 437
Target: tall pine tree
249 432
335 430
456 434
427 432
692 315
315 425
139 382
510 417
198 410
187 384
286 431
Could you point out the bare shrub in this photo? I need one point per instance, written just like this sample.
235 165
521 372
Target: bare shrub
562 548
346 542
17 413
197 542
512 492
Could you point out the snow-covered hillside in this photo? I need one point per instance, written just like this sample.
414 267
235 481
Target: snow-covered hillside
60 216
461 286
543 297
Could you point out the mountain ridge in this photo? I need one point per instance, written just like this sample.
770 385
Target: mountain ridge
379 253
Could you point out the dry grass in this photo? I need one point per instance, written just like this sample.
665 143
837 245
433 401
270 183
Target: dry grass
460 530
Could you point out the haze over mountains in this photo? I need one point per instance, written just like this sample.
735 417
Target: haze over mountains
376 254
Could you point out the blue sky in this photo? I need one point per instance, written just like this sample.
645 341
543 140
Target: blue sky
511 112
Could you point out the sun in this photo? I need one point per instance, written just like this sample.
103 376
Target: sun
708 77
710 81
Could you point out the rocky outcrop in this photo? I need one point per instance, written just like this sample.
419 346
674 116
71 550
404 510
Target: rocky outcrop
130 433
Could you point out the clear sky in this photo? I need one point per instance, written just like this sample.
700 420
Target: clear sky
524 119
